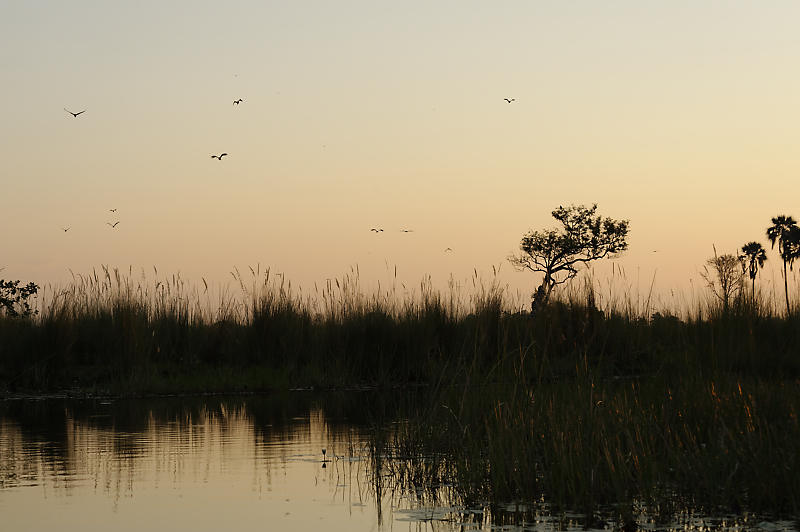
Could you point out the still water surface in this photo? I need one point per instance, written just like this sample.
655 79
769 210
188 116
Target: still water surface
211 464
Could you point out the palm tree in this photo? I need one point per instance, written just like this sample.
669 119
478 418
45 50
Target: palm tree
753 257
785 232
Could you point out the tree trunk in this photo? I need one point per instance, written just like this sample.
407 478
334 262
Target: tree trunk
786 289
538 299
546 287
542 294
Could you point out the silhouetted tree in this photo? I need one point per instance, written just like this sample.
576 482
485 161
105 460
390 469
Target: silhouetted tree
14 299
729 277
785 232
753 257
584 236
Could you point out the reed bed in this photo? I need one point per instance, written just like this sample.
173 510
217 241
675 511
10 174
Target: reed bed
622 448
126 332
599 399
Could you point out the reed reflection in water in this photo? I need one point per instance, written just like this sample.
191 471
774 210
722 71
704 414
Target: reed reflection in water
254 463
242 464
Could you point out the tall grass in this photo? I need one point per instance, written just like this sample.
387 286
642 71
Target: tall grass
125 332
602 397
620 413
726 445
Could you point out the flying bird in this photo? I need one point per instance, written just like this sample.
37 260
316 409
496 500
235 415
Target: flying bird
448 250
74 115
114 225
219 157
112 210
237 102
407 230
65 229
509 100
377 230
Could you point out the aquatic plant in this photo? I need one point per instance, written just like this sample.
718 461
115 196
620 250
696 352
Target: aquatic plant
113 331
595 400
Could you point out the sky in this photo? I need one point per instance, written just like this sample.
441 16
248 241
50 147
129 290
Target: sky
679 116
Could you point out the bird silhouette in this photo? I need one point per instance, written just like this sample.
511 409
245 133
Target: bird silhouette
237 102
377 230
219 157
448 250
509 100
65 229
74 115
112 210
114 225
407 230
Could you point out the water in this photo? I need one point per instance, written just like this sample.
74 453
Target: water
245 463
181 464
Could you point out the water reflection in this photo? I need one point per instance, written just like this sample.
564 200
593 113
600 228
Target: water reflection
286 462
194 464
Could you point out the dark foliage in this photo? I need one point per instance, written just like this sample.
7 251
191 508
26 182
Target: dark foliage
15 300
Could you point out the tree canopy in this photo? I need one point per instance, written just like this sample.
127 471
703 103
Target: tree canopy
584 236
726 278
785 232
753 257
14 299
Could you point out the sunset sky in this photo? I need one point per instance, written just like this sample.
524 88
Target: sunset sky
683 117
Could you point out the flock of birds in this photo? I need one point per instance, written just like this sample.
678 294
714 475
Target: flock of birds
219 157
112 225
116 223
